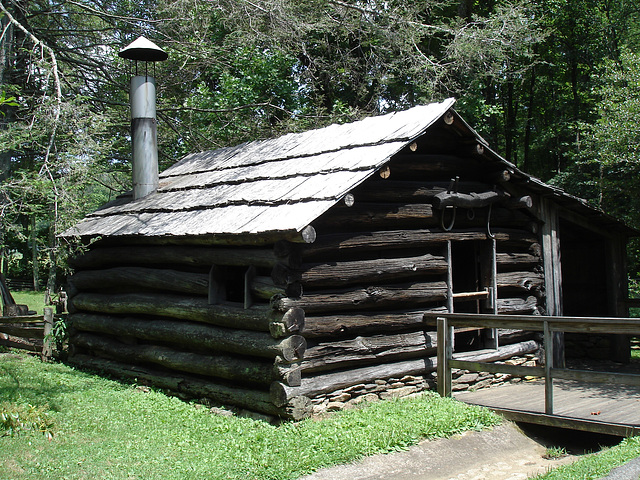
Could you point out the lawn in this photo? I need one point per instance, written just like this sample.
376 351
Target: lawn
104 429
596 465
35 300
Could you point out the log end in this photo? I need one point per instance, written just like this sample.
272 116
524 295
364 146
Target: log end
293 348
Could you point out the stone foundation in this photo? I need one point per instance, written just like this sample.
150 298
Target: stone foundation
412 385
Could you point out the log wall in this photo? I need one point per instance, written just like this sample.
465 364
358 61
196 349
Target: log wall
269 327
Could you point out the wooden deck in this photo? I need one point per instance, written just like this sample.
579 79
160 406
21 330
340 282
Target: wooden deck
602 408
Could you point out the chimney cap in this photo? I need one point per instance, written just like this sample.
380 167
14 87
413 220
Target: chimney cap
143 50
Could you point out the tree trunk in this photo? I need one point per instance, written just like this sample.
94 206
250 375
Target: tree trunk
33 240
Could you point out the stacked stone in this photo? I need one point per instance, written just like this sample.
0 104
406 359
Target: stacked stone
411 385
371 392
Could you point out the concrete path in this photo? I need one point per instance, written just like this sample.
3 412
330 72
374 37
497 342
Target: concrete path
628 471
503 453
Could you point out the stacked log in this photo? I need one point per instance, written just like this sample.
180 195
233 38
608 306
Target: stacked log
269 325
148 311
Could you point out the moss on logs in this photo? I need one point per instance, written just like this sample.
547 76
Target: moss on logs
378 297
346 243
364 271
333 354
236 368
161 255
362 323
295 408
141 277
193 335
258 317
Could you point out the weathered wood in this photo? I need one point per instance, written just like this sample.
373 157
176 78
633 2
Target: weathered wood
502 353
258 317
325 383
265 288
162 255
141 277
408 295
517 259
411 191
23 330
47 342
441 165
251 399
196 336
370 216
334 354
524 281
238 369
361 323
518 305
363 271
15 310
466 200
25 319
292 322
31 345
378 215
331 244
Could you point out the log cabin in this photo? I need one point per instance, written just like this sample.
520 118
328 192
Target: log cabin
268 274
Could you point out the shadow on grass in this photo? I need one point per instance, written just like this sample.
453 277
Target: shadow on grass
24 380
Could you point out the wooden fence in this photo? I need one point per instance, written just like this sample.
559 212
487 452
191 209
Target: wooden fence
29 332
547 324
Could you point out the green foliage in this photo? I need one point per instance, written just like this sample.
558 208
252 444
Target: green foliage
35 300
108 430
554 453
596 465
16 419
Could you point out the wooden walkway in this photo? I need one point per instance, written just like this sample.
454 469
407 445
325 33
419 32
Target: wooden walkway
602 408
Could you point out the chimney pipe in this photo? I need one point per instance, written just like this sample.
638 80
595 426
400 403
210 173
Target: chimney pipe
143 117
144 136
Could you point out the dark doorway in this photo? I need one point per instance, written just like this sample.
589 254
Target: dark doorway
584 271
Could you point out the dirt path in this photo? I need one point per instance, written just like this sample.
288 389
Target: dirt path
503 453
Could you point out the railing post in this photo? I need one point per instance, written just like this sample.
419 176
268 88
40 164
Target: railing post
445 352
548 363
47 349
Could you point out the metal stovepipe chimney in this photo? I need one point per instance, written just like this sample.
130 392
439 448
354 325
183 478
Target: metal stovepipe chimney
143 117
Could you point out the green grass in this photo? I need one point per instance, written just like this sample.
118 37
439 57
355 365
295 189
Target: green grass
35 300
107 430
596 465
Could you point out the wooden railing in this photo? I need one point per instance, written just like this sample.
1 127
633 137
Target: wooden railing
29 332
546 324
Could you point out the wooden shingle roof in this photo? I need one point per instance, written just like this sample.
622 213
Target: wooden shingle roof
276 185
281 185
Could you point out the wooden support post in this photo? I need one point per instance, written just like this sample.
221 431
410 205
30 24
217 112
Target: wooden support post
445 351
548 364
249 276
47 343
449 258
